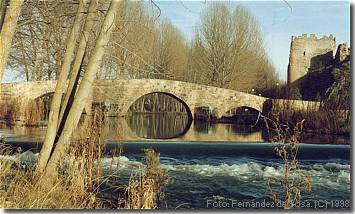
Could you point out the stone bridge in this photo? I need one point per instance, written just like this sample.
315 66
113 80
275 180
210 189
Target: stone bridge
121 94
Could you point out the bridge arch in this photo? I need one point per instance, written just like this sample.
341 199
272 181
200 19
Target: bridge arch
244 107
123 92
151 89
33 90
42 93
186 106
44 101
257 106
244 114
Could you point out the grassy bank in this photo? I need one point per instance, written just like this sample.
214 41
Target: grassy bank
82 183
322 120
81 186
12 112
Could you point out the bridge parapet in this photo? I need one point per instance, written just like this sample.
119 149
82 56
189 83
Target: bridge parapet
26 90
123 93
295 105
219 100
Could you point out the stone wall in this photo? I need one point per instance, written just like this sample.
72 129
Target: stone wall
313 85
118 95
121 94
309 53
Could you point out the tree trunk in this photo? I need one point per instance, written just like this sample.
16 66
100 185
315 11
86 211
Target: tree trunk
83 92
2 12
38 65
8 31
57 97
74 76
26 63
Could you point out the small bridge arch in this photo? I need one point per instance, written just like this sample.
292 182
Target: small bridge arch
244 115
45 91
123 93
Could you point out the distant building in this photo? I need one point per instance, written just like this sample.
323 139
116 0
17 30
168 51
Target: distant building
309 53
311 64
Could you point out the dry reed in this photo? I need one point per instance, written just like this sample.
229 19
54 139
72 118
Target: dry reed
321 120
288 190
81 178
9 111
145 190
33 113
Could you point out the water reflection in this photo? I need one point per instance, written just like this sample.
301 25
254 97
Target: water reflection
163 126
141 127
159 125
22 133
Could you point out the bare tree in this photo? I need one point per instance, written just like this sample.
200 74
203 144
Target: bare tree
60 87
2 12
132 43
83 92
8 28
40 42
75 74
227 50
169 53
141 47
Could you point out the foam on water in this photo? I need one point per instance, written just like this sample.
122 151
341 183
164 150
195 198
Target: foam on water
330 175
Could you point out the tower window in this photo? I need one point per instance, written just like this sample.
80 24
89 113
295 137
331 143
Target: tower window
304 53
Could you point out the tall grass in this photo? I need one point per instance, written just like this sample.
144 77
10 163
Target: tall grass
145 190
18 190
9 111
86 152
12 111
33 113
322 120
287 191
79 185
74 189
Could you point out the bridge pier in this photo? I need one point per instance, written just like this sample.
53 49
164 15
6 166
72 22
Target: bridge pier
119 95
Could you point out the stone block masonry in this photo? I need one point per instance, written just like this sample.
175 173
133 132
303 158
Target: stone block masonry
121 94
307 53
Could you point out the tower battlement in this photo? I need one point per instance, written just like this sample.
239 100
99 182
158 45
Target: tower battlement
307 53
312 36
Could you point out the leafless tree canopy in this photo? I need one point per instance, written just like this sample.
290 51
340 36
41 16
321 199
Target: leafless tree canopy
226 51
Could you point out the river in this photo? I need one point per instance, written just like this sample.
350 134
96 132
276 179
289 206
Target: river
216 165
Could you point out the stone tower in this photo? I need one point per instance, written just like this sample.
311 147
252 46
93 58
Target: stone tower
309 53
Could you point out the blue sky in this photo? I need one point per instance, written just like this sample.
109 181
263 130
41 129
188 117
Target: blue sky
276 19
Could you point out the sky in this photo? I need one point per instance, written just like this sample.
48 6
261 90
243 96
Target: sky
279 20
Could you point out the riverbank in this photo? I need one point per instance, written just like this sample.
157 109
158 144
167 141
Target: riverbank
320 127
174 125
84 183
313 123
